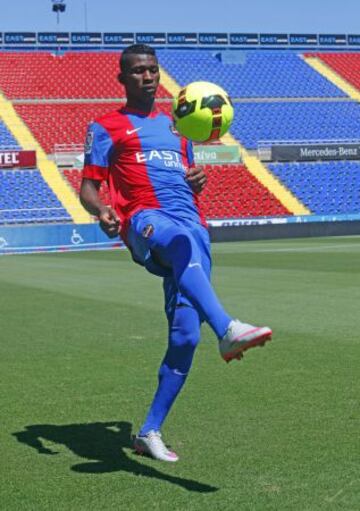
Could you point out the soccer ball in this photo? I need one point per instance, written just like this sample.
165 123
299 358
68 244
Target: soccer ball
202 112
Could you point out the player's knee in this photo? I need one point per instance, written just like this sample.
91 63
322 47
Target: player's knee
186 336
189 339
181 350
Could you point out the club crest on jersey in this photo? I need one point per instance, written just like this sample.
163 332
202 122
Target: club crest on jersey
148 231
89 142
174 131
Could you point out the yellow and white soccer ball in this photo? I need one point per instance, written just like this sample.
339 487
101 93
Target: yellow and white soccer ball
202 112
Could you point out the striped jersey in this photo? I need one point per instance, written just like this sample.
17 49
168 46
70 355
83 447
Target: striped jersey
144 161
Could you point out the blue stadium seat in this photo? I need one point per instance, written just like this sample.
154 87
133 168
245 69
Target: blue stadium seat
268 74
326 188
285 121
28 199
6 138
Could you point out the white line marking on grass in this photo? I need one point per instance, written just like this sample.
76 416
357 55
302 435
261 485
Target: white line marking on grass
340 492
320 248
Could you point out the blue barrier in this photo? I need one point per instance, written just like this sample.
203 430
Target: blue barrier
75 237
55 238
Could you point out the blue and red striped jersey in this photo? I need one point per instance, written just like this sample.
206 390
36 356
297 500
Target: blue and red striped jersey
144 162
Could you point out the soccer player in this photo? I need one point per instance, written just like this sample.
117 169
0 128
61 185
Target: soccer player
154 187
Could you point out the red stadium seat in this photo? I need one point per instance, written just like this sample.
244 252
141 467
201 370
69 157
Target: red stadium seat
231 192
73 75
346 65
65 123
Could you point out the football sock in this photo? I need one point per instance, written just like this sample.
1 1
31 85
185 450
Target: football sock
193 282
184 335
169 386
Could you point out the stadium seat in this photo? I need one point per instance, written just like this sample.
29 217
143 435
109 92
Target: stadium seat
296 120
7 141
71 95
231 192
326 188
265 74
71 75
345 64
65 123
28 199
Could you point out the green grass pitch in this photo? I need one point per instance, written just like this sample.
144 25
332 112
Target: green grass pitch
82 336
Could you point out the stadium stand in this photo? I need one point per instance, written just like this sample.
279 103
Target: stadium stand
28 199
294 103
6 138
267 74
71 75
296 120
231 192
326 187
346 65
65 123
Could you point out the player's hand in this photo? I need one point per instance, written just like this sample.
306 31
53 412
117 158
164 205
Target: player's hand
196 178
109 221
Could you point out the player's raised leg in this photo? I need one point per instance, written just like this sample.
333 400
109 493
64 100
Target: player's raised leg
177 247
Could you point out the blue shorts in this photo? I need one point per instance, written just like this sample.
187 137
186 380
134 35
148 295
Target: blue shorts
150 232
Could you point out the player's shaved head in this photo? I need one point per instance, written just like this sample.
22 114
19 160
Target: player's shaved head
134 49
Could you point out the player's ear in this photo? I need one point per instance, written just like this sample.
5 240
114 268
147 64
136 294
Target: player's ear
121 78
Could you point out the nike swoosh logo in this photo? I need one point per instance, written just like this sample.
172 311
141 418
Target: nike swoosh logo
176 371
191 265
130 132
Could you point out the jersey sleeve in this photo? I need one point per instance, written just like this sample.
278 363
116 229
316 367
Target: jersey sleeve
98 148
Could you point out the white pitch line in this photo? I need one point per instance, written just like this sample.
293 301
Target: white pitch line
309 248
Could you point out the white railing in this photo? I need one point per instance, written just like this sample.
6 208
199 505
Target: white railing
68 148
69 155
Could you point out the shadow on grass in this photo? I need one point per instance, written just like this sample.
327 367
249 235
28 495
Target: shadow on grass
103 443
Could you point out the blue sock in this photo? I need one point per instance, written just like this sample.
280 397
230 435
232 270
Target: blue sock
184 335
194 283
169 386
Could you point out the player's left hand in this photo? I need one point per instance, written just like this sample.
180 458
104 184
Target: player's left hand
196 178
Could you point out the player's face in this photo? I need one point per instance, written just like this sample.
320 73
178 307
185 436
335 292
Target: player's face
141 78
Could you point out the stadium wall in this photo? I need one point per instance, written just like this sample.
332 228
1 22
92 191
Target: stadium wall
54 238
79 237
279 231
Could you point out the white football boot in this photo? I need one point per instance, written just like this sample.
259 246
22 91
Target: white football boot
153 445
240 337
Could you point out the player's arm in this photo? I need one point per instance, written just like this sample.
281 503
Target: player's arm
90 199
195 175
98 147
196 178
